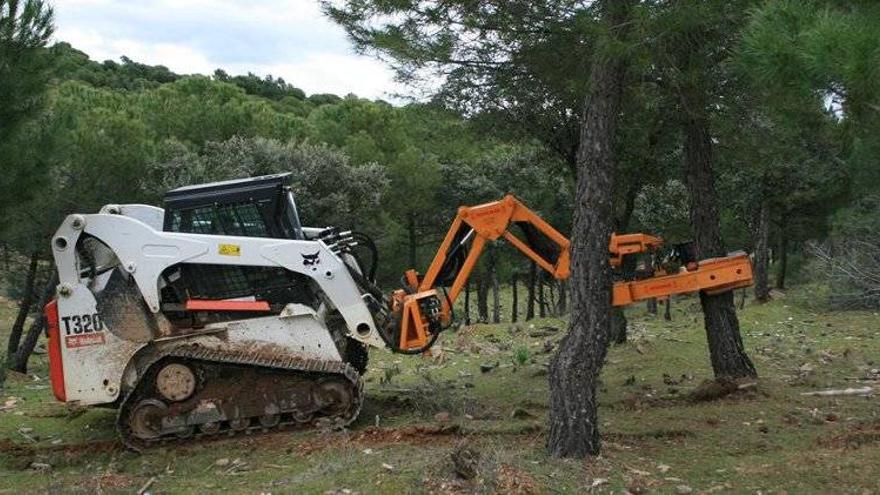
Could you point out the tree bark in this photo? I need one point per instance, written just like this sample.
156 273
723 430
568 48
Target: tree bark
20 360
467 303
667 311
726 349
574 369
761 233
542 303
783 260
514 310
530 291
652 306
492 270
24 309
483 298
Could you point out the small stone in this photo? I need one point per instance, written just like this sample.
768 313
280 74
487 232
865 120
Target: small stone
663 468
487 367
442 417
40 466
387 467
683 489
367 451
222 462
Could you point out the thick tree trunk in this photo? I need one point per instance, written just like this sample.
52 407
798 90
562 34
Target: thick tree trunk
726 349
574 369
514 309
24 309
467 303
783 260
761 234
530 291
20 360
483 298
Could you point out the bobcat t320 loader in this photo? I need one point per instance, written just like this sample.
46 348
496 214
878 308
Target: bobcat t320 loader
221 313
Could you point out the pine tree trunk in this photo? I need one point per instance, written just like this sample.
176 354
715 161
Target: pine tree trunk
24 309
20 360
514 310
783 260
530 291
467 303
483 298
726 349
574 369
542 303
761 232
496 297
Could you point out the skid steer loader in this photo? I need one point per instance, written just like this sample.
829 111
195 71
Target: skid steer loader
221 313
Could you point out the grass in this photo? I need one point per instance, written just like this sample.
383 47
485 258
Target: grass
770 438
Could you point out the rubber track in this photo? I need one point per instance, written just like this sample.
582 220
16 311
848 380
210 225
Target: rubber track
287 363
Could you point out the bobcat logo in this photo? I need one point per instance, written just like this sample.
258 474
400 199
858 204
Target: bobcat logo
311 259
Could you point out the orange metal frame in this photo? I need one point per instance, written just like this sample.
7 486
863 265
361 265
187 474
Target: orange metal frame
715 275
491 221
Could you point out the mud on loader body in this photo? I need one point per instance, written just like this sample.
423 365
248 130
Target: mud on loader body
221 313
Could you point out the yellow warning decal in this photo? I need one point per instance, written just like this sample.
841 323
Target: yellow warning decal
229 250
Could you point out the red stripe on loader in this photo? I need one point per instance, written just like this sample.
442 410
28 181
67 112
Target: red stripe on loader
206 305
56 366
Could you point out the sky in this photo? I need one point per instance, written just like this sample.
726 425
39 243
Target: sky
284 38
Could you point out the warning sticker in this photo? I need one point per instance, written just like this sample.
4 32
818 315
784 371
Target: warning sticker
85 340
229 250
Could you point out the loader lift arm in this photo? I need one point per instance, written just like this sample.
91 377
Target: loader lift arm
419 312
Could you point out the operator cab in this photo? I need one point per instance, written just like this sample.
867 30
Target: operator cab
254 207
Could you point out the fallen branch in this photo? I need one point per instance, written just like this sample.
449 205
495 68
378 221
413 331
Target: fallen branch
146 486
841 391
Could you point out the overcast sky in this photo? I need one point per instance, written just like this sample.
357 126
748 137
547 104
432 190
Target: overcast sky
285 38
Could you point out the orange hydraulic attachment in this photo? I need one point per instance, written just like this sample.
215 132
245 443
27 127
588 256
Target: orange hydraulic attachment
419 306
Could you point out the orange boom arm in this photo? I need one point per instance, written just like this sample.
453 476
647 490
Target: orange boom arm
419 312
